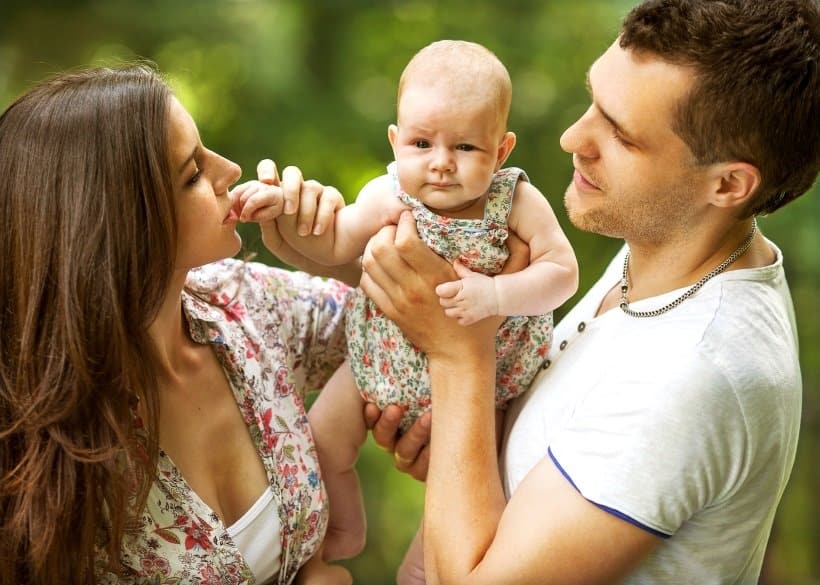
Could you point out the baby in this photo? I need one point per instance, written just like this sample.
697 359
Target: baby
449 144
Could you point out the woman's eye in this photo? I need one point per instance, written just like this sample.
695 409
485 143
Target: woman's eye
193 180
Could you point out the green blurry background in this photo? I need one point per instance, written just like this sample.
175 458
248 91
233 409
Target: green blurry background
313 83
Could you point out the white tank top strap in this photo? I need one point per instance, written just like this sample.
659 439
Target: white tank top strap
258 536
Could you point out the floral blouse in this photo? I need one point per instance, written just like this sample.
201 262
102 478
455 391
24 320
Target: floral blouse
276 334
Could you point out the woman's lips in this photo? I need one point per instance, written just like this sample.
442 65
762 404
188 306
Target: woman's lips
231 217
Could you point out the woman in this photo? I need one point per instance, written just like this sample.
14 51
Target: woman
151 419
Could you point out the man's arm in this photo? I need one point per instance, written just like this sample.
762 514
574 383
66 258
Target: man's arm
547 533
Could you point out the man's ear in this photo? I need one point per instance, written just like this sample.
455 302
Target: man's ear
735 184
392 133
505 147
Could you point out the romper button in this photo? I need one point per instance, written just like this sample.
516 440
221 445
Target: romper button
581 326
546 364
563 345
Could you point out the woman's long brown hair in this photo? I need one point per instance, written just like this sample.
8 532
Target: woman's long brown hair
87 245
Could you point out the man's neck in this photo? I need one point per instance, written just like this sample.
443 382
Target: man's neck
657 269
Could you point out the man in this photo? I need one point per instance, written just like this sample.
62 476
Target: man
656 443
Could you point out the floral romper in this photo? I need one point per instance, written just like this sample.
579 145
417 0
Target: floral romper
388 369
276 333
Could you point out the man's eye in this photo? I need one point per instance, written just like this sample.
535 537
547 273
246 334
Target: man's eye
620 139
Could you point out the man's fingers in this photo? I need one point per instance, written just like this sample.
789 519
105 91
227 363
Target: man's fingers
372 413
266 172
414 439
417 255
386 428
412 454
420 466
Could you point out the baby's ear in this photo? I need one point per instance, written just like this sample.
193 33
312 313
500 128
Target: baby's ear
392 133
505 147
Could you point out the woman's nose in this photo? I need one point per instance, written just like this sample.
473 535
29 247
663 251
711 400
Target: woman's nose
235 171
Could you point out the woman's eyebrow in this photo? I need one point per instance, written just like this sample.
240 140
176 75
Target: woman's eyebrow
189 159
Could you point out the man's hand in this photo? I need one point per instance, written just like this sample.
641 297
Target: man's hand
411 451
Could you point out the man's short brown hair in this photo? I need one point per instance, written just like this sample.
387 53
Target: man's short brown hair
757 88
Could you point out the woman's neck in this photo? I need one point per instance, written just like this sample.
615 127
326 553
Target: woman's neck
169 330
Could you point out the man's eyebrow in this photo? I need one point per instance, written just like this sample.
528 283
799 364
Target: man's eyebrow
618 127
189 159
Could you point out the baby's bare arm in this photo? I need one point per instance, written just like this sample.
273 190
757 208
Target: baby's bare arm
550 278
552 275
352 227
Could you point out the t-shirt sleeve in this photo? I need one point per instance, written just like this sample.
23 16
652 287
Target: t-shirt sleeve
654 453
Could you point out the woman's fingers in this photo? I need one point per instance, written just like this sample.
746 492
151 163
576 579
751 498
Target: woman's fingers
266 172
292 181
330 202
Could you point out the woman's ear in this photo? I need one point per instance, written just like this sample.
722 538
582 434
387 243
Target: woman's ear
505 147
736 184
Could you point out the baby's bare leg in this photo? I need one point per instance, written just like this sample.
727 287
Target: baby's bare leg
337 422
411 570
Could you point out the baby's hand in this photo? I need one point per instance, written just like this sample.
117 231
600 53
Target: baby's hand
470 299
258 202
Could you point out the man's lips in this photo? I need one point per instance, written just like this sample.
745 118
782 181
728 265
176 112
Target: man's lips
582 182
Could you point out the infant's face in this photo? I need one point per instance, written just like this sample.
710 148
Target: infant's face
447 147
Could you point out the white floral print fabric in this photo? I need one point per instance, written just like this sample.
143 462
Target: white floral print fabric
276 334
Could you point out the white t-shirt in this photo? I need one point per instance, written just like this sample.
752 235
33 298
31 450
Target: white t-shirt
684 424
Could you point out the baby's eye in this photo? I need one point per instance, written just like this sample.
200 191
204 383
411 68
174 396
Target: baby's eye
421 144
465 147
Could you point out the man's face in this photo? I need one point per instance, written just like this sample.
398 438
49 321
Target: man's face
634 177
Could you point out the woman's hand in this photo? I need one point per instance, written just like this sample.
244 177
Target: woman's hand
297 206
311 204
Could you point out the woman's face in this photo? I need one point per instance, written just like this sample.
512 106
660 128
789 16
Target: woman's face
206 223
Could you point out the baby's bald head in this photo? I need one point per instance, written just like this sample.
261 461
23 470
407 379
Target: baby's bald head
462 69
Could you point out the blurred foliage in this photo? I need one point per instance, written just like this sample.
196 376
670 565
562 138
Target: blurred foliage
313 83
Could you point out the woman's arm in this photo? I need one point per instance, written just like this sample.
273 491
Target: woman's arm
547 533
